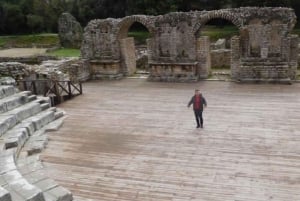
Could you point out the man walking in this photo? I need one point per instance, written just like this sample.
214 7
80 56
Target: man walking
198 102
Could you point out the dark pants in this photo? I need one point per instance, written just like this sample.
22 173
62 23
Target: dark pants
199 118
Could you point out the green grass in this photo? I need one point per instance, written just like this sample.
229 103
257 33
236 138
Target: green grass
296 31
215 32
139 36
36 40
65 52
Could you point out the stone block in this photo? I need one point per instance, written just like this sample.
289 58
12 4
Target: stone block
6 91
60 193
40 120
7 122
12 176
16 138
28 125
46 184
25 111
55 125
35 176
4 195
27 191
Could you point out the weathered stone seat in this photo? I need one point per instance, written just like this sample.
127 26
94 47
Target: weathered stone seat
16 100
6 90
32 169
17 135
4 194
14 183
24 121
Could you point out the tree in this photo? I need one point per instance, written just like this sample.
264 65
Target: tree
14 20
35 23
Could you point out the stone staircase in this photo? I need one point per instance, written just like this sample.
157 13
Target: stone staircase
25 120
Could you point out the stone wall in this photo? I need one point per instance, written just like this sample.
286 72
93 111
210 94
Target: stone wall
174 41
220 58
62 70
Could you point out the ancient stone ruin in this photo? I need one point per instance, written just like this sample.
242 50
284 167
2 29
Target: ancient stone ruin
70 31
264 49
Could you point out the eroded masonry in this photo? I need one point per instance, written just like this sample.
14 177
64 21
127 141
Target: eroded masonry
264 49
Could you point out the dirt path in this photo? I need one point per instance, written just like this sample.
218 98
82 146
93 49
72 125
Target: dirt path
22 52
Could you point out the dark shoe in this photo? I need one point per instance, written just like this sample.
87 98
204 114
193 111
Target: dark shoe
201 126
198 126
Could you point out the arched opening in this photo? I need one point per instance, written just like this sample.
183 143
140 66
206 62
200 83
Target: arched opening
133 37
141 34
218 33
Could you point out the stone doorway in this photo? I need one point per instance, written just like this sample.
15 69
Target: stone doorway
140 33
214 50
134 49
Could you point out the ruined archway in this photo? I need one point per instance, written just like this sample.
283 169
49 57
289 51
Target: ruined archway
214 53
128 47
264 50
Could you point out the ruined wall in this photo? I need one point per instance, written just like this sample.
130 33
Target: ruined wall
177 53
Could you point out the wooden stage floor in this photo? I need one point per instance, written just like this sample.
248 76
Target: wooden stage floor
134 140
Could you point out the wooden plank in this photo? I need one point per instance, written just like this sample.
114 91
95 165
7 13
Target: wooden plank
136 140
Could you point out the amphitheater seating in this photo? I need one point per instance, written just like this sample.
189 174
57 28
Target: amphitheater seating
25 120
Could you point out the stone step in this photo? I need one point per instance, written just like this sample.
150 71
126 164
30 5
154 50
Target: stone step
17 136
4 195
14 101
58 193
38 140
37 177
13 182
6 91
41 119
25 111
32 98
45 106
7 122
42 99
35 144
11 118
59 114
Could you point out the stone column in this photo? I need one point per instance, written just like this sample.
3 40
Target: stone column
203 57
293 59
235 57
128 56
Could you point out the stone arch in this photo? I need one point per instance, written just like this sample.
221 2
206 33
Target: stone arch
222 14
125 24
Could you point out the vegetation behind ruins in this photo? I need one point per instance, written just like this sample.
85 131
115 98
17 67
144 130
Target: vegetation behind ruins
41 16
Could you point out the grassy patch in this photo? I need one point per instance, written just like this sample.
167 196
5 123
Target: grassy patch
36 40
215 32
296 31
65 52
140 37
